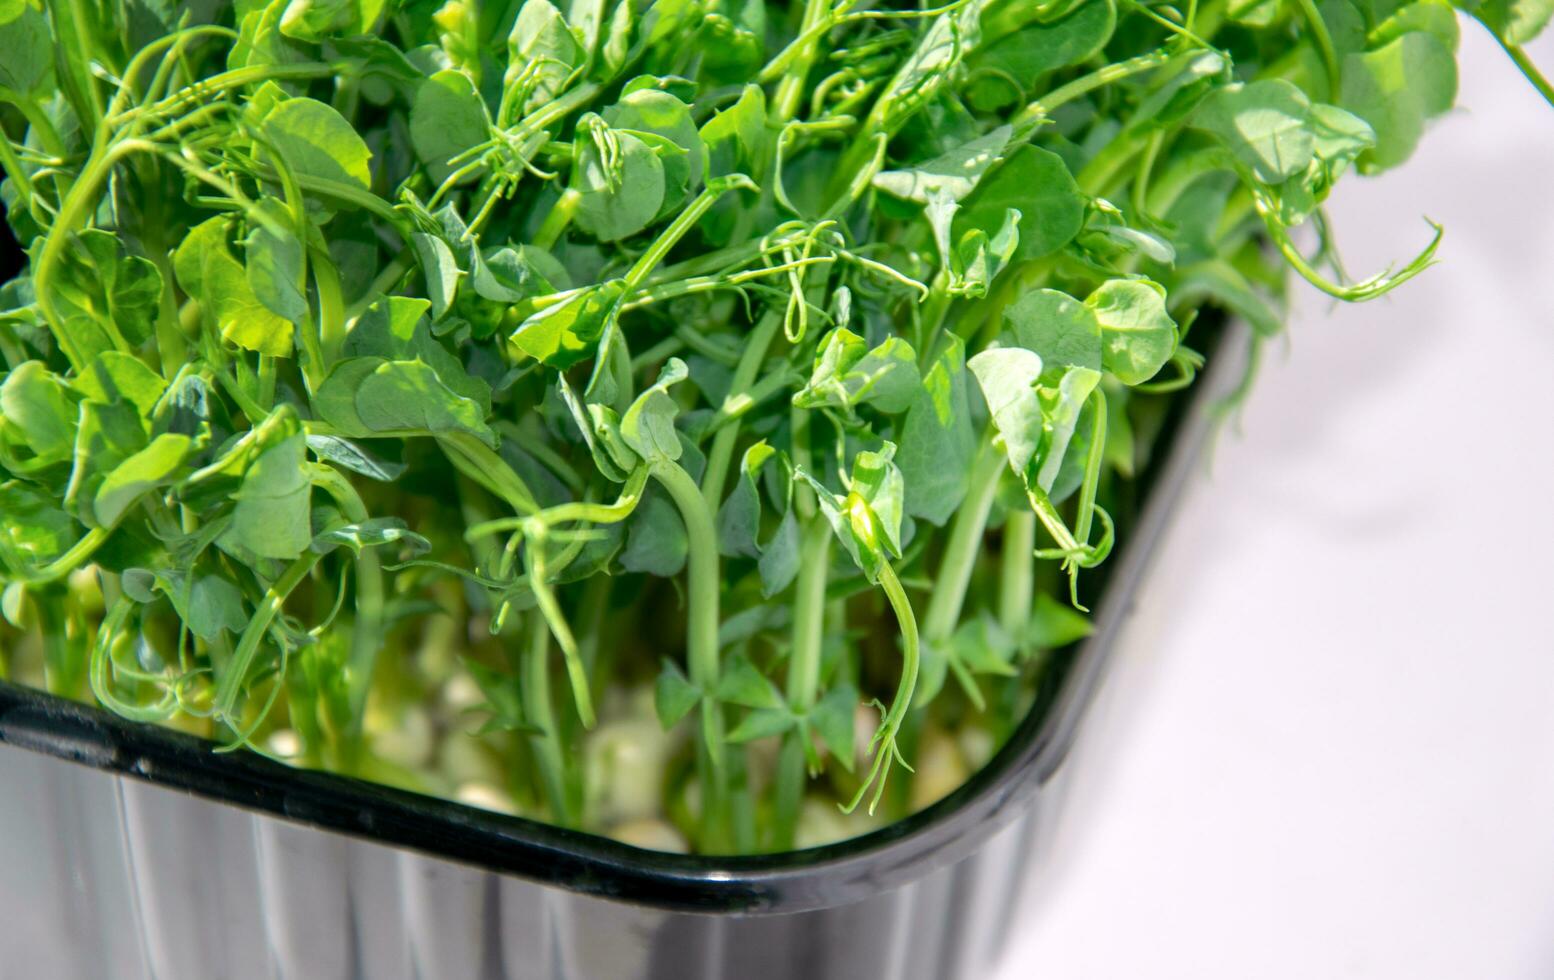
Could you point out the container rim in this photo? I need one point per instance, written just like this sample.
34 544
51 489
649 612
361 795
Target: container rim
792 881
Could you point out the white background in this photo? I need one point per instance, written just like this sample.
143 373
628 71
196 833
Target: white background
1327 747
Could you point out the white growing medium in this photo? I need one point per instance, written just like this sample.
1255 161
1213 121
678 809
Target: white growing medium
1325 751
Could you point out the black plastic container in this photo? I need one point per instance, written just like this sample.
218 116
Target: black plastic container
155 857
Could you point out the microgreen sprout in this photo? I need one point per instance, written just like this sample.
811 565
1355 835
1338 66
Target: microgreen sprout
714 379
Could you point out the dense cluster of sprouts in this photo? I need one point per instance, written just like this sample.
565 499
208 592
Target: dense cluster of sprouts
438 391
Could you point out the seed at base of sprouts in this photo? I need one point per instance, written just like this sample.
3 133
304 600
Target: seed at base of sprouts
625 762
940 768
821 822
977 745
460 694
284 742
463 759
654 835
485 796
406 741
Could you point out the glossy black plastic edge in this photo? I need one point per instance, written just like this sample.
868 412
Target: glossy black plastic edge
794 881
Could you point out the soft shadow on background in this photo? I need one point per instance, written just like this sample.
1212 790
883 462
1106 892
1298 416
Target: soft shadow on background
1327 748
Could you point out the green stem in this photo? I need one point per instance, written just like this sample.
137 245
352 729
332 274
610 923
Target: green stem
74 211
1032 116
1093 460
790 90
1529 70
702 598
48 134
809 607
97 671
788 798
59 675
70 560
963 546
721 455
559 218
74 52
13 169
886 749
331 309
1324 43
535 692
1016 585
481 464
367 625
550 611
230 684
683 223
809 601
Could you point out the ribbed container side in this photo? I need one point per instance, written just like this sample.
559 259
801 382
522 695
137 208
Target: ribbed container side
171 886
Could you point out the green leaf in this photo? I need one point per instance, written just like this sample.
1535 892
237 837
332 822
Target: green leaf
504 700
1036 183
737 138
1022 51
209 274
447 118
1514 21
26 52
1138 336
213 606
366 396
656 542
1008 378
38 406
409 395
1064 331
648 425
315 141
348 455
673 695
121 294
107 435
1397 88
877 481
739 519
979 259
155 466
441 269
375 532
313 20
568 332
1055 624
1061 405
274 261
832 717
272 517
937 440
982 647
33 529
954 174
661 114
780 557
848 375
208 604
541 53
1266 124
762 723
621 193
742 684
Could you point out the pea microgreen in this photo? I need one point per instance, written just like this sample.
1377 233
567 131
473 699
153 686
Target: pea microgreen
753 368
